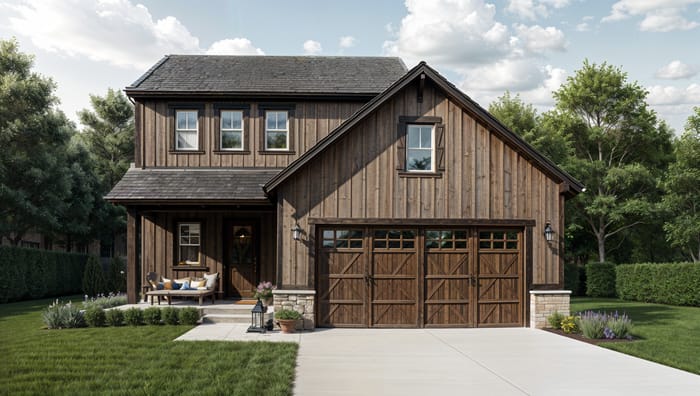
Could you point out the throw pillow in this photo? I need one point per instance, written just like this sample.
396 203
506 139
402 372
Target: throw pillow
167 284
185 285
197 283
211 280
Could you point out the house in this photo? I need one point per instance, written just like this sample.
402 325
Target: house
372 195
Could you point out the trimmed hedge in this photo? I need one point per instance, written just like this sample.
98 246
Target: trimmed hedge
575 279
600 280
668 283
32 273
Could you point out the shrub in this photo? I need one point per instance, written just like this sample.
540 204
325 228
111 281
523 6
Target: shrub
188 316
600 280
115 317
33 273
592 324
568 325
287 314
63 316
169 315
133 316
575 279
93 277
619 326
669 283
116 277
104 301
95 317
151 315
555 320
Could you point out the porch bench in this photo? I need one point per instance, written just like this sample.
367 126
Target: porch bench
200 294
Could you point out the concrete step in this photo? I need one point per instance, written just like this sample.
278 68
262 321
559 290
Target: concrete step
227 309
242 318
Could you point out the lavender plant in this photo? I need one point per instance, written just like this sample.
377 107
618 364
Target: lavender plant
593 324
63 316
619 325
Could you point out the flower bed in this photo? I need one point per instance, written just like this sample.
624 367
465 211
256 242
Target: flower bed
593 325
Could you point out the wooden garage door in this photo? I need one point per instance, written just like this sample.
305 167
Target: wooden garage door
419 277
499 286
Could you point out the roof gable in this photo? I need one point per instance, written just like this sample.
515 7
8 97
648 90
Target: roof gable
283 75
573 186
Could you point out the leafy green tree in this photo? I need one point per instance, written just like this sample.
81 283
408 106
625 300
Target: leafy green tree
109 137
617 148
542 132
34 178
682 186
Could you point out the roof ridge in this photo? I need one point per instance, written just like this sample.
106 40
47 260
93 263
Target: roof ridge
149 72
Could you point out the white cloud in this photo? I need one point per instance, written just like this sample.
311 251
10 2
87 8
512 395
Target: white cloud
676 70
537 39
312 47
582 27
347 42
236 46
533 9
450 32
112 31
659 15
513 75
668 95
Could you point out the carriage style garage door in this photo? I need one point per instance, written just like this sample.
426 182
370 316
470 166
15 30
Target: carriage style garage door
420 277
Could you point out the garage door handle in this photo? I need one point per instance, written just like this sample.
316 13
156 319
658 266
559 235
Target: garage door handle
368 278
472 280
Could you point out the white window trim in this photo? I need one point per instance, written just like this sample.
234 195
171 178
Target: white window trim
286 130
195 129
432 148
222 130
180 244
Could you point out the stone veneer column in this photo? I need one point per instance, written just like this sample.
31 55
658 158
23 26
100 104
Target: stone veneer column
302 301
544 302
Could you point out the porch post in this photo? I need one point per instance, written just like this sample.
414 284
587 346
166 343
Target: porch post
132 267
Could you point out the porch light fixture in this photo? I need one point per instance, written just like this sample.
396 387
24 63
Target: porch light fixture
548 232
257 318
296 232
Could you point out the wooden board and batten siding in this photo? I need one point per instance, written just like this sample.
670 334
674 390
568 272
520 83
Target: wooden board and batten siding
485 182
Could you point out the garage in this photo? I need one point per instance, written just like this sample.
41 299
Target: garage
420 276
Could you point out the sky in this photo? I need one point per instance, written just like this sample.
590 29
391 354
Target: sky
527 47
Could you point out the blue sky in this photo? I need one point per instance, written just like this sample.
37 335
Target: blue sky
484 47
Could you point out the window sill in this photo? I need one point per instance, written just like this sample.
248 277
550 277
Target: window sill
234 152
189 268
198 152
436 175
276 152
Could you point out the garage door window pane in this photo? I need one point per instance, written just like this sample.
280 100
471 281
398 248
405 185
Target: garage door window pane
343 239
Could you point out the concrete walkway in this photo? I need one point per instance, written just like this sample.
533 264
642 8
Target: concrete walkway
513 361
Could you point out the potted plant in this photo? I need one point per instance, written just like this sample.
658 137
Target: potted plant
287 319
264 293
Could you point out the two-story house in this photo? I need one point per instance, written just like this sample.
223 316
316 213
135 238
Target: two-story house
372 195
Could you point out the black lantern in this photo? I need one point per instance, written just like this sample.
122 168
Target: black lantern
296 232
257 319
548 232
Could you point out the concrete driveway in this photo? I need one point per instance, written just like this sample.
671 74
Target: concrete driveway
431 362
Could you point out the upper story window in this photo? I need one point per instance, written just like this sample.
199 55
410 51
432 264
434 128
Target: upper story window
186 130
232 130
276 130
420 148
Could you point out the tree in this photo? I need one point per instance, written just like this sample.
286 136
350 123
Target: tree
617 148
109 137
34 178
540 132
682 187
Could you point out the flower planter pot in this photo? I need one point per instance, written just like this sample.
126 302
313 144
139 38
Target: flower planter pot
287 325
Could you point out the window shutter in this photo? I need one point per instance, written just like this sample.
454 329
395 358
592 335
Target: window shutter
440 147
401 147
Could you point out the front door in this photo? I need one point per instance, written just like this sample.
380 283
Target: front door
241 255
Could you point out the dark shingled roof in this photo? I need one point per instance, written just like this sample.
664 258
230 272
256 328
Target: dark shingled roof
201 185
316 75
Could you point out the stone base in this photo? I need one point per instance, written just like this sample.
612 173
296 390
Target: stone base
544 303
302 301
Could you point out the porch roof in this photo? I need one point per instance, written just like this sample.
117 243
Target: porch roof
192 185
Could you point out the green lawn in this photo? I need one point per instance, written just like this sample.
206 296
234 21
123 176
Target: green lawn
132 360
668 334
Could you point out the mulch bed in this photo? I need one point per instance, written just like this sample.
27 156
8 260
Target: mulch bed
581 338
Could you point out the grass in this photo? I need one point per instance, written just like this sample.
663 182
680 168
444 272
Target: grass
668 334
132 360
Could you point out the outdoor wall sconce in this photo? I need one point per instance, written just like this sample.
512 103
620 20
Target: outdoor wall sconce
548 232
296 232
257 318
